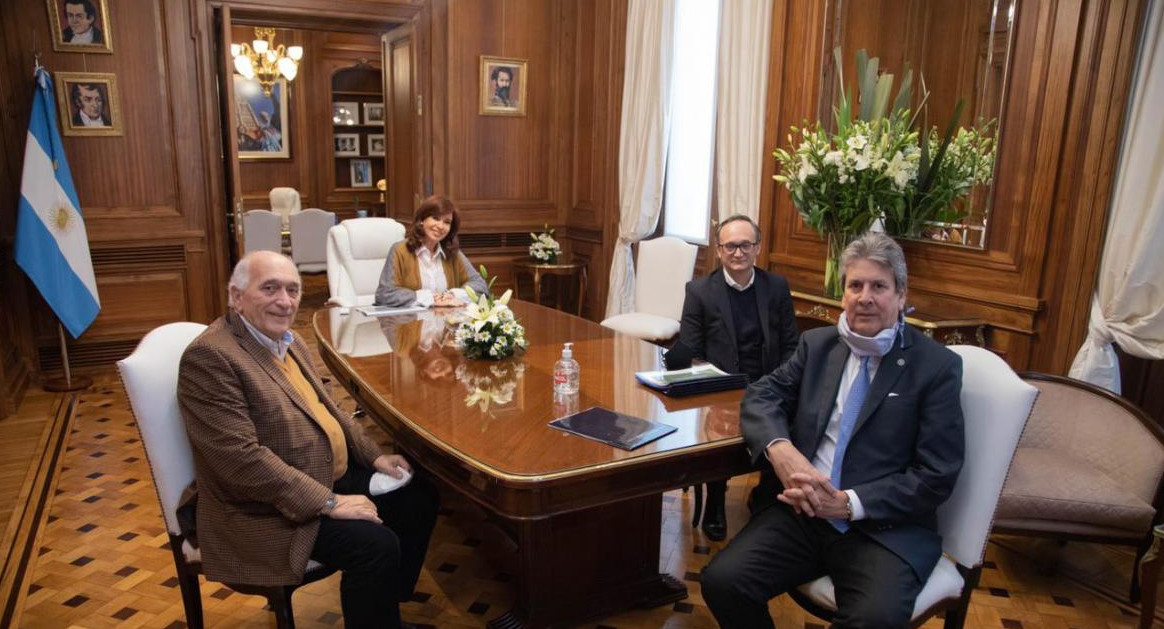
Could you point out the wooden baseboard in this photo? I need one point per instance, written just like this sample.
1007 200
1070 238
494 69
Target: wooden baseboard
21 537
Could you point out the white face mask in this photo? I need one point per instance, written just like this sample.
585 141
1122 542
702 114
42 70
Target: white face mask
867 345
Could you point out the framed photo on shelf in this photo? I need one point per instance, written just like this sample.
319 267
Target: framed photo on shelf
361 173
502 84
263 131
374 113
347 144
376 144
88 103
345 113
80 25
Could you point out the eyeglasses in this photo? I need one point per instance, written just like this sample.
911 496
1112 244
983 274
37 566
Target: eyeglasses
743 247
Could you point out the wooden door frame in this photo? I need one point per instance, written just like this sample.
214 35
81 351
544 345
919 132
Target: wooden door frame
343 15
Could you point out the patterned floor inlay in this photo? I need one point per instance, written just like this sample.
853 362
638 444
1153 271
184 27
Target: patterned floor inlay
105 561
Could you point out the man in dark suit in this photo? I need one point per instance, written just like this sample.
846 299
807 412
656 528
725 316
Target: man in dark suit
862 429
89 105
282 475
739 319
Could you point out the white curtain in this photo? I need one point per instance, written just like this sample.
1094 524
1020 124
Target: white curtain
642 146
742 96
1128 304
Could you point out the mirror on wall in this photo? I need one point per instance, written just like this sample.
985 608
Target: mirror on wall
960 48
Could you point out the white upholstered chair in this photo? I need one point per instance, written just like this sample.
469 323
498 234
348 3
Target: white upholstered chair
309 239
285 202
262 231
663 268
356 251
995 405
150 377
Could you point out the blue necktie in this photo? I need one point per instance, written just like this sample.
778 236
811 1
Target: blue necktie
853 403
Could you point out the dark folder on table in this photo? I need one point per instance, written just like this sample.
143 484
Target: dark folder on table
704 378
611 428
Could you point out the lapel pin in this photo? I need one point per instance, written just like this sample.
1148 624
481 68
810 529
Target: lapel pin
900 362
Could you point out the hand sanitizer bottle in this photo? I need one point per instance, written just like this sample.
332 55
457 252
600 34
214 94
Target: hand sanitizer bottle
566 372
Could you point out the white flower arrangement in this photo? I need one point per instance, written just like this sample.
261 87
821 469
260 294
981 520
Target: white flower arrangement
544 248
488 328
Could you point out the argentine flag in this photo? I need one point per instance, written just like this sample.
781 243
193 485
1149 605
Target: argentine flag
51 244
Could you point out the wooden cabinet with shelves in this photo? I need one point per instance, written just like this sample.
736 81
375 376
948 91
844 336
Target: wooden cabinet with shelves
358 137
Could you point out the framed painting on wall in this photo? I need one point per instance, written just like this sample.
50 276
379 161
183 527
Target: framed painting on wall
502 84
80 26
88 103
263 124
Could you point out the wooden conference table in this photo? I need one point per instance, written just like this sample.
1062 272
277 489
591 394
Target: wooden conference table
585 516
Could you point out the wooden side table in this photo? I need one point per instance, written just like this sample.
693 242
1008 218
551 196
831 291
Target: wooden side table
945 331
538 270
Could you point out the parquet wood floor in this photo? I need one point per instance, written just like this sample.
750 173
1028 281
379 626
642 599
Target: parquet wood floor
103 560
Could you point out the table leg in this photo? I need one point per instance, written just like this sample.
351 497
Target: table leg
537 279
590 564
581 290
1149 578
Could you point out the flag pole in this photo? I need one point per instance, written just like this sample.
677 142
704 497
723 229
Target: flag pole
56 383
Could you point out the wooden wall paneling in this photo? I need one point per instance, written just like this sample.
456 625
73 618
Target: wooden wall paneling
399 50
592 220
1109 35
1065 95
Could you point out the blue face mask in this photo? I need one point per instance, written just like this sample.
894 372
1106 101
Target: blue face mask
878 345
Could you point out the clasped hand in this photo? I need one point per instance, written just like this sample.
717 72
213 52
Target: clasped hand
446 299
806 490
358 506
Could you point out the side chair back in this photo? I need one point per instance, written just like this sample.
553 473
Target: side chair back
150 378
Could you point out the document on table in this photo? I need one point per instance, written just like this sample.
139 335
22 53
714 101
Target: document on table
384 311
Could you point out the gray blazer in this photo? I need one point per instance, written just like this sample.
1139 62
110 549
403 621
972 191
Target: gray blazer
907 447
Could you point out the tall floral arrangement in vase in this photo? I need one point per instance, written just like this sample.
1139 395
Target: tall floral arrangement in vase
488 328
874 165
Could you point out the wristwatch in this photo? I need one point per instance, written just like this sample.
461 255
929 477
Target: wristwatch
848 507
328 505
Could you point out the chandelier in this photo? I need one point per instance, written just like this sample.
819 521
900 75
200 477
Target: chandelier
264 61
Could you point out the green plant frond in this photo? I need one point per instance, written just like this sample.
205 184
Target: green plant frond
881 96
905 92
840 78
951 128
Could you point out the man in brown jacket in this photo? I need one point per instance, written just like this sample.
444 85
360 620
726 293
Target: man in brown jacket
282 475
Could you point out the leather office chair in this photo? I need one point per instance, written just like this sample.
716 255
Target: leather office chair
309 239
262 231
150 378
663 268
356 252
1089 468
995 405
285 202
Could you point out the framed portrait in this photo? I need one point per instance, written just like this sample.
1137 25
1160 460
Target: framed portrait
345 113
502 86
376 144
88 103
361 173
374 113
80 25
263 123
347 144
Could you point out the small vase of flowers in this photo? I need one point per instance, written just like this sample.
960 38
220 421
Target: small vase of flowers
544 248
488 328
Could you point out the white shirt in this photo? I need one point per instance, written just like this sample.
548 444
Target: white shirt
83 38
91 122
277 348
733 284
823 459
432 274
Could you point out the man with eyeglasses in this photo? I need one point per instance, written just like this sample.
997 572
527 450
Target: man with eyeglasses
741 320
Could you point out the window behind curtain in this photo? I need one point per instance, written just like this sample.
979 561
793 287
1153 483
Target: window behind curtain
691 150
